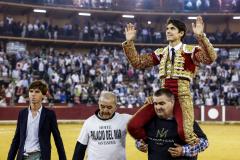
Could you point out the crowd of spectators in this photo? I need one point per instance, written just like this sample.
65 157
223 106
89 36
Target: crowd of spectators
212 5
77 77
156 5
102 31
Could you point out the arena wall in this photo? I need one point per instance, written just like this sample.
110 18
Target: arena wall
81 112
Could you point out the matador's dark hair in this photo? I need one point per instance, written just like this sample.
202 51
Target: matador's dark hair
179 24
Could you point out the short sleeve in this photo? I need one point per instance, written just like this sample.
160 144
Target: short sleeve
84 136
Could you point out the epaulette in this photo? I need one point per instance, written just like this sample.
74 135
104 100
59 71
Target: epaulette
188 48
158 51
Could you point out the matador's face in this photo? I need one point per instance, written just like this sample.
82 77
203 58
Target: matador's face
173 34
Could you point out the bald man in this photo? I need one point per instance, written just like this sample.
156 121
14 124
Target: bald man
104 133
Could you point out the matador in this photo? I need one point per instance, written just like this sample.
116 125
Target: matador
178 63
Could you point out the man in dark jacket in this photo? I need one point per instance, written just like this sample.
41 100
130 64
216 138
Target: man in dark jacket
32 139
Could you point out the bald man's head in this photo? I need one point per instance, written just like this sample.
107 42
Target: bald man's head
108 98
107 104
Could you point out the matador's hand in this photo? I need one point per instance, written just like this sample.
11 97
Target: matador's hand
149 100
130 32
198 26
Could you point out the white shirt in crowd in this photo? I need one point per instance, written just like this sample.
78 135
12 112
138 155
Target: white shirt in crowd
41 66
209 101
22 99
3 103
105 139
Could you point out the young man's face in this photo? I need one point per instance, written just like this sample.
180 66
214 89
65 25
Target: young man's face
173 34
107 108
35 96
163 106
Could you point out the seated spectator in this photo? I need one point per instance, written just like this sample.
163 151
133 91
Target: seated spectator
22 99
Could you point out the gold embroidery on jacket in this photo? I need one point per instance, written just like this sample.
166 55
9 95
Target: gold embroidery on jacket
186 104
166 70
136 60
162 65
159 51
207 55
189 48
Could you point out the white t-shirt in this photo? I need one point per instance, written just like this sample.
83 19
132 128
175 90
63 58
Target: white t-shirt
105 139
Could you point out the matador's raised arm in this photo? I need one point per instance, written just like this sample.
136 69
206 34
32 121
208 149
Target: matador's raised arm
136 60
204 53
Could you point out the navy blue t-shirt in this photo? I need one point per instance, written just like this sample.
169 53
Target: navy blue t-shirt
162 134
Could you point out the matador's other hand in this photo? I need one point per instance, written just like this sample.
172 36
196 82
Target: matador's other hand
198 27
130 32
149 100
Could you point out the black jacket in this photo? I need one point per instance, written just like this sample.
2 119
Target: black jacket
47 125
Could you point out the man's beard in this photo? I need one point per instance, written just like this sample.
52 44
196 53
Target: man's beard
105 114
